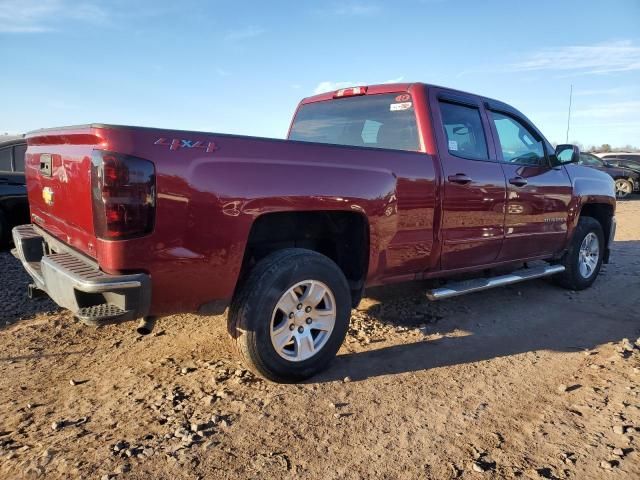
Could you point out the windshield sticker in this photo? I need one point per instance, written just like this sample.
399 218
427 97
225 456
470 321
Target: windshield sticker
453 145
405 97
397 107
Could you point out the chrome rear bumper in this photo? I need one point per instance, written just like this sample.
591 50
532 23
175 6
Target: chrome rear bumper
76 283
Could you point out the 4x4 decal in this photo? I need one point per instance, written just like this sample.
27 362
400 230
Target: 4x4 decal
178 143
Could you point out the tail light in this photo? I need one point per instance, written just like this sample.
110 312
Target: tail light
124 195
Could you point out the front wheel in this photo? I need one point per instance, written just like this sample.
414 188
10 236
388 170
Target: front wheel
291 314
583 260
624 188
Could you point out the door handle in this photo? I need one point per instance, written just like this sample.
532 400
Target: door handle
518 181
460 178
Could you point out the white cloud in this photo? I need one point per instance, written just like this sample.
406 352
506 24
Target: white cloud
600 91
34 16
614 110
618 56
357 9
244 33
327 86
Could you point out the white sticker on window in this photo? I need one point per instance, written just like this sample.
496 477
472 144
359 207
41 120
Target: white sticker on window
453 145
396 107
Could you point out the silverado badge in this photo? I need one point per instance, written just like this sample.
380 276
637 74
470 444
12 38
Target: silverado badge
47 195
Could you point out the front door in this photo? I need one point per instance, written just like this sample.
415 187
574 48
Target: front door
474 184
538 193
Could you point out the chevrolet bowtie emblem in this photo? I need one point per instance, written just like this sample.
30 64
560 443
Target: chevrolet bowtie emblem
47 195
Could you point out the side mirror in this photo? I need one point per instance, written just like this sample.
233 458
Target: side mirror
567 153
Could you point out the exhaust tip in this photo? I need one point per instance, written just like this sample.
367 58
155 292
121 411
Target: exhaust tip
145 327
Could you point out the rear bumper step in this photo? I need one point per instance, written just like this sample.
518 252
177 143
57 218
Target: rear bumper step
454 289
77 284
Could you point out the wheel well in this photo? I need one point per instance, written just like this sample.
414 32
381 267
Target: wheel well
602 212
341 236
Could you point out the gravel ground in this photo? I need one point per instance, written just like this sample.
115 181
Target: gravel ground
527 381
13 288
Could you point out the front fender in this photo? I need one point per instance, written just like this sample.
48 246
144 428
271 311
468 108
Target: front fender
590 187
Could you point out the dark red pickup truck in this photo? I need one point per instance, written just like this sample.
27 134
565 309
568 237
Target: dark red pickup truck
374 185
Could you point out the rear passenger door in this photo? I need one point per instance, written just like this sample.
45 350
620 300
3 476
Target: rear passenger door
474 185
538 192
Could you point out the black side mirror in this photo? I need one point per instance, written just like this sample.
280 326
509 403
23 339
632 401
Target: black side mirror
567 153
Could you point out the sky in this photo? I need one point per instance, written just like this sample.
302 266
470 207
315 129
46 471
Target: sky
242 66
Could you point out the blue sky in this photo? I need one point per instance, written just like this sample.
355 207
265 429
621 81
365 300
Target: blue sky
242 66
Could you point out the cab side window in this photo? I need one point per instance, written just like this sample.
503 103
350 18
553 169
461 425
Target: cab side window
464 132
519 145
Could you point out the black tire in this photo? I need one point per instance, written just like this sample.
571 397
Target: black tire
572 278
624 188
250 314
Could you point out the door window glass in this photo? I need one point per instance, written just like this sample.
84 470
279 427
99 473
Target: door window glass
5 159
18 157
464 131
518 144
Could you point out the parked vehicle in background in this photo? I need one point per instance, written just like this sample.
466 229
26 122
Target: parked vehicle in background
14 206
626 179
620 156
374 185
630 161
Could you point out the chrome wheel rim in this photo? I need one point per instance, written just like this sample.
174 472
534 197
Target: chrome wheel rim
302 321
623 188
588 255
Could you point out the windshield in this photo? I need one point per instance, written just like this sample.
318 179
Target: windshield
379 121
590 160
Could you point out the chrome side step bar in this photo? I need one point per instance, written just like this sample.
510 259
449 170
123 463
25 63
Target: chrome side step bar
477 284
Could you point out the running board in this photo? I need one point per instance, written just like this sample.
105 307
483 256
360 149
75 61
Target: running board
477 284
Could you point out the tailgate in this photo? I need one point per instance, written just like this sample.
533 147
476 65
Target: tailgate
58 174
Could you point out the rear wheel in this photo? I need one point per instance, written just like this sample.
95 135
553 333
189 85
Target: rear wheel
624 188
291 314
583 260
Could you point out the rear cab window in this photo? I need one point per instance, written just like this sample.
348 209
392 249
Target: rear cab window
378 121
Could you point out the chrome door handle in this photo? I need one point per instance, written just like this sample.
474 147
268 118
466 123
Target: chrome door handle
460 178
518 181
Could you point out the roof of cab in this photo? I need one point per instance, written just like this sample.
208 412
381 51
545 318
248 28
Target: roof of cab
371 90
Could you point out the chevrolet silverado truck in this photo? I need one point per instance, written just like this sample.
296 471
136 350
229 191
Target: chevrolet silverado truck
374 185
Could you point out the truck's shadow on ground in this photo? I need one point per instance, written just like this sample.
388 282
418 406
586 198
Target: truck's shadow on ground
528 317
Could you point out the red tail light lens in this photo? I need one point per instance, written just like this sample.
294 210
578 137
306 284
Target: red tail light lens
124 195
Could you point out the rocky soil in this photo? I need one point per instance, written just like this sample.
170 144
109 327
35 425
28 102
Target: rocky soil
528 381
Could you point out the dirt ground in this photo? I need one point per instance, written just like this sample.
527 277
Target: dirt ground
528 381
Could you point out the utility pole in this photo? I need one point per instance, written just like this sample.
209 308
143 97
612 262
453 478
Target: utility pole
569 116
